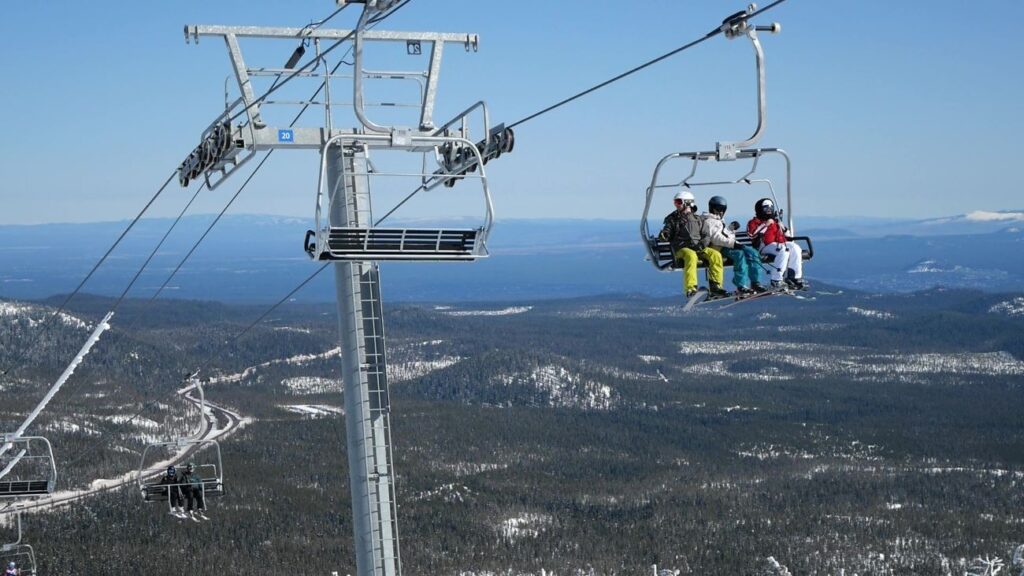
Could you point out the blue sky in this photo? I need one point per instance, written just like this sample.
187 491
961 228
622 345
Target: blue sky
900 109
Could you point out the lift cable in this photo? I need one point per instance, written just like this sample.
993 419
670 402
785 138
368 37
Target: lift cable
18 360
266 156
17 363
597 87
206 364
210 227
647 64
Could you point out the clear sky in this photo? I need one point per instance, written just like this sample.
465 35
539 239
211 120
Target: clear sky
902 109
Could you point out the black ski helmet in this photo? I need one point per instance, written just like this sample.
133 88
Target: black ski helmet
765 208
717 205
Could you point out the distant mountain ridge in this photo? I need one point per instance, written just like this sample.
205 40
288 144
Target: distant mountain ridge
256 258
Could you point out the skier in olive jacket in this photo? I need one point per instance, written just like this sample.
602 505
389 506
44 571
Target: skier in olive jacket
682 230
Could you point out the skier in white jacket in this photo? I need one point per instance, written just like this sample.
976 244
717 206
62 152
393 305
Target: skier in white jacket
746 267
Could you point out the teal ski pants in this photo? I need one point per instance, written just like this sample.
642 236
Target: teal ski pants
746 267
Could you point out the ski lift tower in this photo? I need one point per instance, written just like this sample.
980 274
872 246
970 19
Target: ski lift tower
349 237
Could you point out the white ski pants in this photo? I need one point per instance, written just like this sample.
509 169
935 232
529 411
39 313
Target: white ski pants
786 256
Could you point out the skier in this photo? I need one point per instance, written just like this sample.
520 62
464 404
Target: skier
682 231
12 570
768 235
746 267
170 480
193 492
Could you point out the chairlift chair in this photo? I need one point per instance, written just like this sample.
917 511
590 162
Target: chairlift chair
210 471
27 467
456 156
18 552
368 242
659 253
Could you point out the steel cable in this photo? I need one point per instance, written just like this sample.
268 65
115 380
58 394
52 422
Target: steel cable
643 66
17 362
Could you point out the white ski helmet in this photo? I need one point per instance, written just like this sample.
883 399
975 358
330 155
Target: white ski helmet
686 196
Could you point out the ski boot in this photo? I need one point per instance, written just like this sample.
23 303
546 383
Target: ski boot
715 291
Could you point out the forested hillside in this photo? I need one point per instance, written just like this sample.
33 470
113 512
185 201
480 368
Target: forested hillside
853 433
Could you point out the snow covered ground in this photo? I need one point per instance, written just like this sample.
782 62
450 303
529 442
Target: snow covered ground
1013 308
297 360
564 389
313 410
502 312
876 314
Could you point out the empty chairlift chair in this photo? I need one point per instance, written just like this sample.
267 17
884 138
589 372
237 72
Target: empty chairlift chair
27 468
365 241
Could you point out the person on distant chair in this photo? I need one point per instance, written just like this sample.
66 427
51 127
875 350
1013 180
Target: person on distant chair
746 262
682 230
768 235
193 492
170 480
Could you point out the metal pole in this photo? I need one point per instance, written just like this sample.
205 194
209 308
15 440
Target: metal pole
364 372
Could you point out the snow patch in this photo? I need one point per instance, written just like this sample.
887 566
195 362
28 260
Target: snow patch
528 525
312 410
404 371
293 329
1011 308
298 360
876 314
311 385
648 359
985 216
564 389
503 312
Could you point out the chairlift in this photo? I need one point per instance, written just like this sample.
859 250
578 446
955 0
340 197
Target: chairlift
659 253
21 554
456 155
368 242
210 470
27 467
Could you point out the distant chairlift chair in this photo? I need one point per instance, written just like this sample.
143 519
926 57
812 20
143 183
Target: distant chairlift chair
21 554
27 467
210 471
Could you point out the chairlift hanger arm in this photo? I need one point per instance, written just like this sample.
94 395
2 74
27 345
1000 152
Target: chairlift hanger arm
737 26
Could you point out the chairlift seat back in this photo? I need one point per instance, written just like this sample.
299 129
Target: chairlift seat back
397 244
666 259
23 488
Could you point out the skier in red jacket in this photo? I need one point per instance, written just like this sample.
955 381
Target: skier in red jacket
768 235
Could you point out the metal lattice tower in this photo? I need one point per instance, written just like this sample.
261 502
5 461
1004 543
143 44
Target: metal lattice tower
350 238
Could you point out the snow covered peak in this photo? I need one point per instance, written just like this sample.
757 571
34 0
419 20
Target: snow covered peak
986 216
